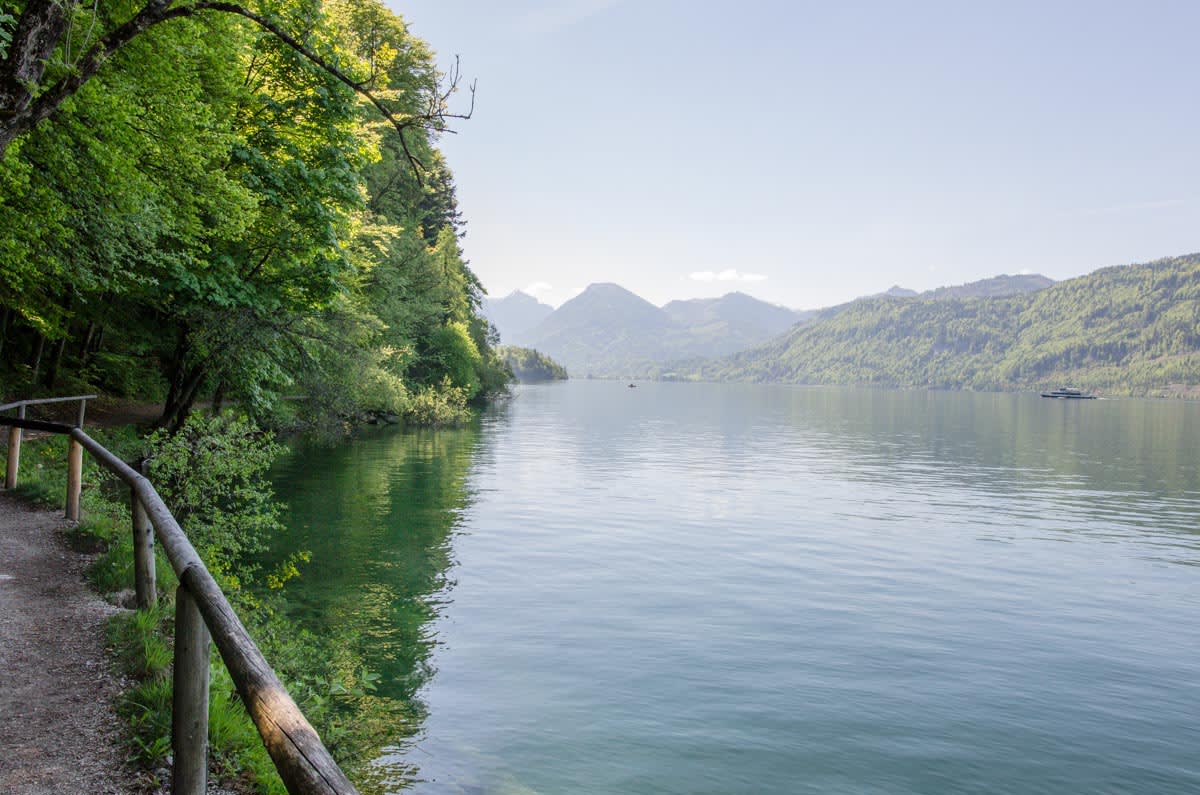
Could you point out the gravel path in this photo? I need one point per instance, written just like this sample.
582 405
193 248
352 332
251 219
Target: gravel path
58 731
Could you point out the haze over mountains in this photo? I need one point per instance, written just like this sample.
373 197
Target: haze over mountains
609 331
515 314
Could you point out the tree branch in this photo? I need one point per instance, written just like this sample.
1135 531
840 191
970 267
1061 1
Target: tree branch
23 116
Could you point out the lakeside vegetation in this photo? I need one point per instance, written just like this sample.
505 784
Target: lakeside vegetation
528 365
213 476
1126 330
231 205
213 216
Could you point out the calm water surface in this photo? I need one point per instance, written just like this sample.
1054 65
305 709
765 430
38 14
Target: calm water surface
688 588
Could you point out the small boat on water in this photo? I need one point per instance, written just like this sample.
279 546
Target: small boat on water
1068 393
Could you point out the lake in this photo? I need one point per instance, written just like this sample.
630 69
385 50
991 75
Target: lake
709 588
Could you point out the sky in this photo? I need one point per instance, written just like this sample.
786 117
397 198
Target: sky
810 152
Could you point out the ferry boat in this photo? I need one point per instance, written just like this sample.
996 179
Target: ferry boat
1068 393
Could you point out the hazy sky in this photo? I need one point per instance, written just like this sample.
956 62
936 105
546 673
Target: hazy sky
811 152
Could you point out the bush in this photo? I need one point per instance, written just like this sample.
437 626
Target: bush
438 407
212 474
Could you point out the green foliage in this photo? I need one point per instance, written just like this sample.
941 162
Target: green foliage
225 459
212 476
7 23
212 215
1123 330
530 365
436 407
453 351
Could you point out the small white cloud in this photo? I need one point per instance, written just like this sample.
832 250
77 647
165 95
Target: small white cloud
727 275
537 288
576 291
1025 272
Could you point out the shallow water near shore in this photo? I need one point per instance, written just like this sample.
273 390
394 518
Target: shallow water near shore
697 588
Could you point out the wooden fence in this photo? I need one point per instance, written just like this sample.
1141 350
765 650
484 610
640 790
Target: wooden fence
202 613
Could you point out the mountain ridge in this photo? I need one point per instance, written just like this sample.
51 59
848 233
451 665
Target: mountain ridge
514 314
607 330
1127 329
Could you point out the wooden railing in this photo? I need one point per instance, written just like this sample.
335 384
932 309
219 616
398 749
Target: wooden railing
201 613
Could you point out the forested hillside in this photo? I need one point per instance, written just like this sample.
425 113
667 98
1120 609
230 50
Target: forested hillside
1121 330
235 208
530 366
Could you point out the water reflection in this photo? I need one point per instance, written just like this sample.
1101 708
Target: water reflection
1004 459
378 515
712 588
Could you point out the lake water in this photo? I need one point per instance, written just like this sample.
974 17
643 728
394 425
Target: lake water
690 588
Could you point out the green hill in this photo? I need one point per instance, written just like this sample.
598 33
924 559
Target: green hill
530 366
1132 329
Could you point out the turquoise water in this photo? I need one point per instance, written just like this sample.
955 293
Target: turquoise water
688 588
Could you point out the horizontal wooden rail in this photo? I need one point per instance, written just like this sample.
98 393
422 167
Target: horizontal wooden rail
43 401
74 462
302 760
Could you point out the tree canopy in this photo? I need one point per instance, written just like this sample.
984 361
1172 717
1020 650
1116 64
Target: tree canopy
229 202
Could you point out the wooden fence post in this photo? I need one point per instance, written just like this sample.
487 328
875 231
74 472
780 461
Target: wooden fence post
189 713
14 452
74 479
143 555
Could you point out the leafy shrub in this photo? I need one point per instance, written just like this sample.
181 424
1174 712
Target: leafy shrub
438 407
212 474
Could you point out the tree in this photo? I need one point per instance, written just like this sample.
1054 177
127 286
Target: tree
51 48
227 208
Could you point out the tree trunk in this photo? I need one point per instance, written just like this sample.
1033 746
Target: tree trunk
55 363
4 328
218 401
183 395
85 349
185 408
175 377
34 40
37 357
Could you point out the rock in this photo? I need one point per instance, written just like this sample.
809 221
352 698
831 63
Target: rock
126 599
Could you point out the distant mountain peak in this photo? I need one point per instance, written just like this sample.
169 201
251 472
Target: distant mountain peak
514 314
1001 286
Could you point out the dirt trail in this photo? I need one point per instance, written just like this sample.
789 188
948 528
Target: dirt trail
58 731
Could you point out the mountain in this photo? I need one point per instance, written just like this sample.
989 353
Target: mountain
896 291
608 331
1131 329
603 330
530 366
732 322
995 287
514 314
